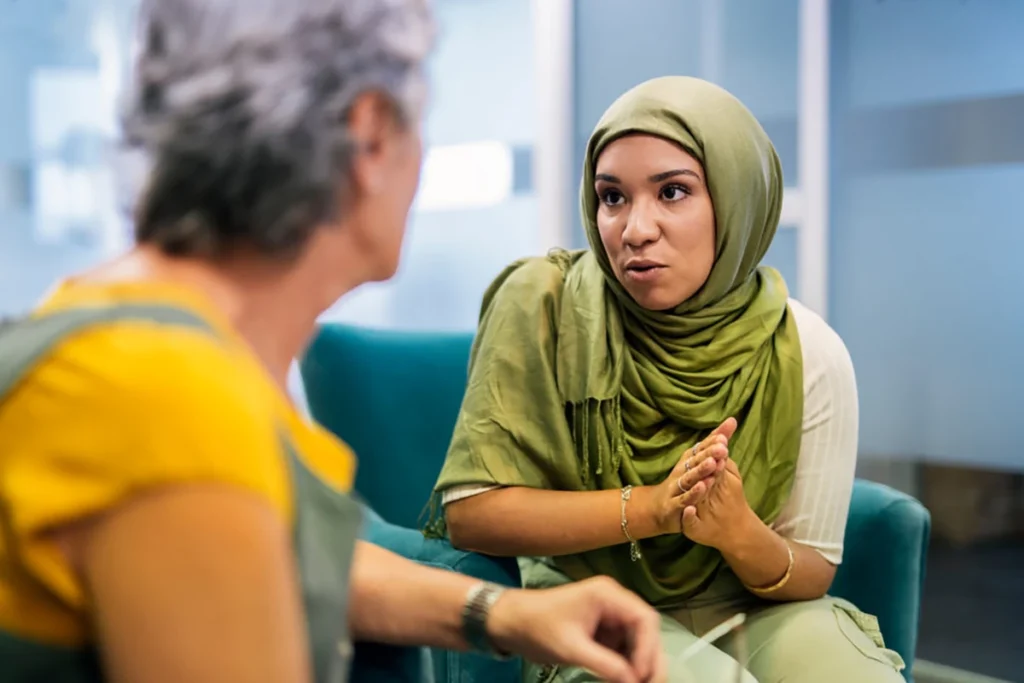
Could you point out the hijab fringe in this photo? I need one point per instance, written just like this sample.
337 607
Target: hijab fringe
593 453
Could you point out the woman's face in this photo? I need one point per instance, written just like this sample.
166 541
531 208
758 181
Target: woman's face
655 218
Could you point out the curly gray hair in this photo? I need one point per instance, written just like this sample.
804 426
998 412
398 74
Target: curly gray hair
239 109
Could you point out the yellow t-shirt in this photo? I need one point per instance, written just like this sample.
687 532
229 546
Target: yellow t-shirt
123 407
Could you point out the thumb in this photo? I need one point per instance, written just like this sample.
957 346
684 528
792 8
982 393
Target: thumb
690 519
605 664
727 428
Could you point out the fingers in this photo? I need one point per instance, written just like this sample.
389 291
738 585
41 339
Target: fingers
694 456
719 437
705 465
660 674
641 627
696 493
727 428
716 444
602 662
702 461
647 655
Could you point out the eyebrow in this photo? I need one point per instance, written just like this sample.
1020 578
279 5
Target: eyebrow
656 178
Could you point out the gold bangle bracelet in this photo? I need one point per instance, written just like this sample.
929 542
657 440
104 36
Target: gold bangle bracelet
781 582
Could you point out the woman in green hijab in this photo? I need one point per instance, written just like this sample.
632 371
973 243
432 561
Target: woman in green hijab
658 410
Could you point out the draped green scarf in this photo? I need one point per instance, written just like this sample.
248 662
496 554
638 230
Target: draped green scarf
573 386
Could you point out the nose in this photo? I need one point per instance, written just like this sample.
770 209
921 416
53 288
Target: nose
641 225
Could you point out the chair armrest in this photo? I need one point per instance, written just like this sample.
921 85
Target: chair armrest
448 666
883 567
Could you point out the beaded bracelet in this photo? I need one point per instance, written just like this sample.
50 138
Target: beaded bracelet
634 547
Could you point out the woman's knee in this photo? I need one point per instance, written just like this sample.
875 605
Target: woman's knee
828 641
710 664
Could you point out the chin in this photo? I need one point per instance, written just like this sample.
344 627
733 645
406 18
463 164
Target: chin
656 304
656 301
386 271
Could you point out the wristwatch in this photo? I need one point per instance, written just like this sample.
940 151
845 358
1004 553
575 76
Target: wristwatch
479 601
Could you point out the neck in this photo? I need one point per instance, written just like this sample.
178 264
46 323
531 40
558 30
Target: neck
274 306
275 315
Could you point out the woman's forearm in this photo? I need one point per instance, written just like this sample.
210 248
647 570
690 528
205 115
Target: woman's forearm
519 521
397 601
760 557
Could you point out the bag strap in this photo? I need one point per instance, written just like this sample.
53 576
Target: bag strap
26 341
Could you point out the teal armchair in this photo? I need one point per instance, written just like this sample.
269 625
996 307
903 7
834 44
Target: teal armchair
394 397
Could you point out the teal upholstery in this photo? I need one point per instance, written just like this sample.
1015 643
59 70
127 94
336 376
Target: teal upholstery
883 567
394 397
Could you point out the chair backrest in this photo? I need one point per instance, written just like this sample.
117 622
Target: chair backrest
883 569
393 397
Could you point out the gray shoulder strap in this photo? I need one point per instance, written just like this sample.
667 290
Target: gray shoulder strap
24 342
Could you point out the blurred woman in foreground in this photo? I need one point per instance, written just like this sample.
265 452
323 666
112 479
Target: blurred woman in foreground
163 505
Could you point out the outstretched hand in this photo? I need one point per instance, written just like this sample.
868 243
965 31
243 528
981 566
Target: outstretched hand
595 624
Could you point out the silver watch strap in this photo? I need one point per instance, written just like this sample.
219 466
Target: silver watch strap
479 601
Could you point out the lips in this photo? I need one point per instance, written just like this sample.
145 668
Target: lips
642 265
643 270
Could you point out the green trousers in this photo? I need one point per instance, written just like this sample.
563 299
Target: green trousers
817 641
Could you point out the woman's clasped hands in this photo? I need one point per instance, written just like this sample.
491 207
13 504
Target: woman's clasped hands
702 497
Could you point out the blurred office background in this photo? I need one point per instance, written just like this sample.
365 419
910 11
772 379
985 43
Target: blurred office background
899 123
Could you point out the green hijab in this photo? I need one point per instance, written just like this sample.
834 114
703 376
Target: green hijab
573 386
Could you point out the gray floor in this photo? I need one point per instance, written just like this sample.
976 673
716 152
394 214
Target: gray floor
971 612
930 672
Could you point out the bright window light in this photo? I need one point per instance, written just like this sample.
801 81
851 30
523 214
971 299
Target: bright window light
465 176
792 208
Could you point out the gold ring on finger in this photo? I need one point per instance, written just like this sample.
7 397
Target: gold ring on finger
679 483
687 464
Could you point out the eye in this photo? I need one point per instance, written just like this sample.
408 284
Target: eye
673 193
611 197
